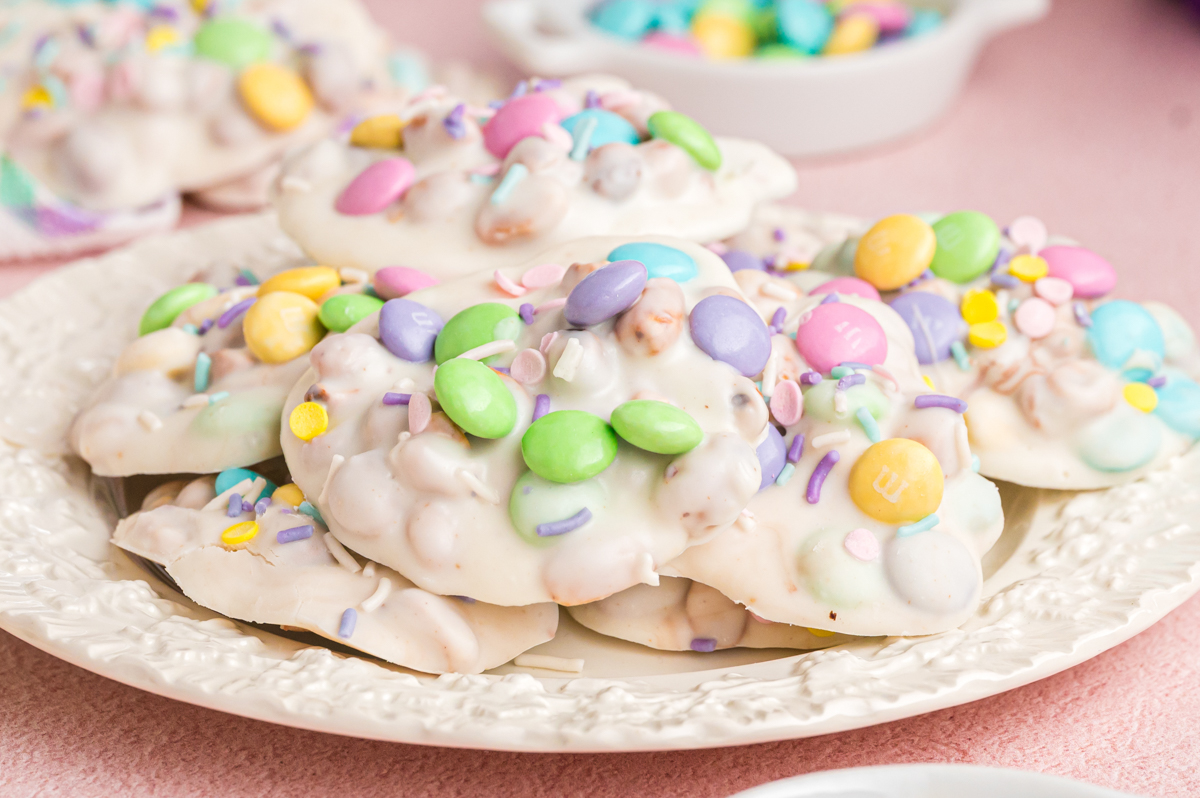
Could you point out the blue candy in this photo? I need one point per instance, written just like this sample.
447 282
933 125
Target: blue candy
673 18
232 476
659 260
804 24
629 19
1179 405
610 127
1120 441
772 455
924 20
1120 328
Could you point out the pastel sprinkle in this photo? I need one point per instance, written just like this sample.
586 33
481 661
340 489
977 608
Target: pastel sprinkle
837 372
960 356
779 317
829 298
926 523
393 398
235 505
218 397
541 406
261 505
813 493
704 645
869 425
552 528
1141 396
850 380
453 123
248 276
810 378
512 178
348 622
203 369
308 420
975 463
239 533
312 512
507 285
1158 381
295 533
191 329
1082 317
939 400
862 544
526 311
583 138
796 450
785 474
226 318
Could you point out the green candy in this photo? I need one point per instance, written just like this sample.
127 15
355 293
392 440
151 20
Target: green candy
568 445
164 310
538 501
341 312
254 412
477 325
656 427
819 404
234 42
475 398
778 51
687 134
967 245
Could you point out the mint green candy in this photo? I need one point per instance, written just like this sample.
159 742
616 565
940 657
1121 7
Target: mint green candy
475 326
537 501
687 134
656 427
778 51
819 403
475 398
967 245
164 310
234 42
341 312
568 445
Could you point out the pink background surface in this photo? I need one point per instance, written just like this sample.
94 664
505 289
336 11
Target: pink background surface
1088 120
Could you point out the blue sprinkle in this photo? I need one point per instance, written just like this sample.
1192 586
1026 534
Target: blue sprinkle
218 396
926 523
960 355
868 424
248 276
975 463
785 475
346 627
191 329
481 179
583 138
837 372
203 369
512 178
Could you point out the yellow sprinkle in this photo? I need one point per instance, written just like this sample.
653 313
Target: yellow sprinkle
308 420
384 132
1141 396
796 266
987 334
289 494
37 97
275 95
929 382
979 306
852 34
239 533
1028 268
161 36
820 632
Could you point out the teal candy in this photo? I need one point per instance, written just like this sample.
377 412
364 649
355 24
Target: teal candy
967 245
656 427
341 312
924 20
232 476
1119 328
164 310
609 128
1179 405
237 43
539 501
1120 441
475 398
673 18
687 134
470 328
659 260
568 446
819 405
629 19
804 24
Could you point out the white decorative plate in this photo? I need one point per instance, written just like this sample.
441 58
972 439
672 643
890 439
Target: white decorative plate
1072 576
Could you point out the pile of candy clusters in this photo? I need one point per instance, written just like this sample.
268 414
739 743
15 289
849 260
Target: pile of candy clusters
774 29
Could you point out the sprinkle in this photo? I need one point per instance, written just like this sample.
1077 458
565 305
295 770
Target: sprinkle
887 375
369 569
501 369
149 421
779 317
203 369
1004 280
376 599
583 138
191 329
839 402
239 533
831 438
479 179
248 276
235 505
464 599
546 84
206 325
261 505
546 662
1158 381
1082 317
489 349
420 411
526 311
392 398
541 406
851 380
553 304
776 291
778 234
862 545
552 528
236 310
745 521
813 494
929 382
837 372
219 396
960 355
868 424
312 512
507 285
569 360
591 99
453 123
512 178
346 627
247 506
785 474
705 645
1141 396
853 364
344 558
975 463
478 486
295 533
810 378
796 450
829 298
928 522
938 400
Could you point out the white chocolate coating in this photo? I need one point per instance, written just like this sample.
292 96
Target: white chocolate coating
302 584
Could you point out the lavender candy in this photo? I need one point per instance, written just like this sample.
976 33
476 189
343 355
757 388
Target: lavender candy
605 292
772 456
739 259
729 330
935 323
409 329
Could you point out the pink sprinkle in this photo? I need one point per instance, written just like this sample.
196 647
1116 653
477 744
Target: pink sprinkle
891 17
507 285
758 617
528 367
887 375
376 187
1035 318
679 45
1028 231
787 403
548 341
487 170
543 276
862 545
1054 290
557 135
420 409
717 248
553 304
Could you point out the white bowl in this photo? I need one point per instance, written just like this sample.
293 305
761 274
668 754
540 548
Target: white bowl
814 106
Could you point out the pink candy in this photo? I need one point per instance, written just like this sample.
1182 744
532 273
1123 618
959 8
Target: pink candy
1054 290
393 282
1035 318
672 44
376 187
891 17
528 367
518 119
837 333
1089 274
1028 232
787 403
851 286
543 276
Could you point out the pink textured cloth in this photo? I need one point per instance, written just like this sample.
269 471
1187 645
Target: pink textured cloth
1087 120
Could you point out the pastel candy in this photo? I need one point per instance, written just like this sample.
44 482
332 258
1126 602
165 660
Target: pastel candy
543 276
739 259
1179 405
729 330
1054 290
282 326
889 16
924 20
164 310
967 245
475 398
1178 335
851 286
376 187
341 312
382 132
932 571
896 251
1035 317
672 43
517 119
656 427
687 134
804 24
408 329
308 420
934 321
1119 442
471 327
629 19
772 456
310 281
839 332
393 282
720 36
787 402
568 446
897 481
537 501
1029 232
852 34
232 476
232 41
609 127
1089 274
820 402
659 260
605 293
276 96
1119 328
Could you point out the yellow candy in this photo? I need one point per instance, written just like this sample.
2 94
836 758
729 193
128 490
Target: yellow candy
797 266
895 251
897 481
1141 396
36 97
239 533
282 326
277 97
308 420
384 132
1028 268
720 36
979 306
311 281
987 334
161 36
852 34
289 494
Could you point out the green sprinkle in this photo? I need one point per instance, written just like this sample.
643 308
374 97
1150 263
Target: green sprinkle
785 475
960 355
868 424
512 178
926 523
203 368
583 138
312 512
218 396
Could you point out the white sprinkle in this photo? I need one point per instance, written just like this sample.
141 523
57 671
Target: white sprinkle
777 291
839 402
196 400
831 439
376 599
256 489
746 521
222 501
405 385
349 274
295 185
369 569
334 465
489 349
404 436
477 486
770 375
149 421
344 558
548 663
569 360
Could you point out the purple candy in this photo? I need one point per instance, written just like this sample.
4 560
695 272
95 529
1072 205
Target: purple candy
738 259
796 450
772 456
934 321
729 330
705 645
394 398
408 329
605 292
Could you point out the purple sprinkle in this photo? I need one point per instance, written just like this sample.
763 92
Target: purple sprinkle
1157 382
810 378
850 380
235 505
241 307
526 311
261 505
940 400
495 105
829 298
853 364
467 599
241 280
591 99
392 398
779 317
922 277
1005 280
796 450
547 84
1082 317
501 369
541 406
87 35
813 494
247 507
520 90
1002 259
206 325
778 234
454 122
705 645
564 526
346 627
281 29
295 533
